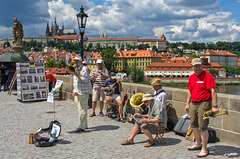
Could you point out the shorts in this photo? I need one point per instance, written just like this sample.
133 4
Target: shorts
98 94
115 96
196 111
152 127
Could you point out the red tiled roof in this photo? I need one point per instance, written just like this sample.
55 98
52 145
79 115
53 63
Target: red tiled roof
70 37
137 53
114 38
218 52
58 71
180 66
145 40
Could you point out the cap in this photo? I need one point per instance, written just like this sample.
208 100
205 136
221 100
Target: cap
84 62
196 61
99 61
156 82
78 58
147 97
112 75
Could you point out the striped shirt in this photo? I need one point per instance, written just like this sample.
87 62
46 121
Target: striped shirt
83 85
99 79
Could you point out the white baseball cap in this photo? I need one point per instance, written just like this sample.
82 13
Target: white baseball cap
78 58
99 61
84 62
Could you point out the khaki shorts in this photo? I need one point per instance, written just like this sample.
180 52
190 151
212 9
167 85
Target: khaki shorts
98 94
196 111
152 127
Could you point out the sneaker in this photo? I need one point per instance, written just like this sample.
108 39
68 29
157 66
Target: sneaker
127 142
149 143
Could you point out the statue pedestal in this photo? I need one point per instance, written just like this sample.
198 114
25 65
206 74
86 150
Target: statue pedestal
18 48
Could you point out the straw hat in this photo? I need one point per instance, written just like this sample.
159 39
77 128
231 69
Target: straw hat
156 82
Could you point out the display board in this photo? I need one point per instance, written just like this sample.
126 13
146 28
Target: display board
31 82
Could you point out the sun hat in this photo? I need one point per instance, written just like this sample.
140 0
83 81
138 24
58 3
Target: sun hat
78 58
147 97
156 82
99 61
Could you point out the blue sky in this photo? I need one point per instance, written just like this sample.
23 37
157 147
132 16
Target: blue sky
178 20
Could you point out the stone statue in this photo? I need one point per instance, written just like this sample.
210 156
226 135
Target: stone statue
17 35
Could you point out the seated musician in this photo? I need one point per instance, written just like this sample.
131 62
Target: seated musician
156 120
117 93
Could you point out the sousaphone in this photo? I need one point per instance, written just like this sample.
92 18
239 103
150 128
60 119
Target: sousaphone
136 101
71 69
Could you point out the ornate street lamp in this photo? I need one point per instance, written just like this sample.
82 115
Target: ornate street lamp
82 20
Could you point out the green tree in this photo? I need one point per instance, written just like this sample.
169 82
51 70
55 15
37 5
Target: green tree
137 74
212 71
62 64
6 44
109 57
51 63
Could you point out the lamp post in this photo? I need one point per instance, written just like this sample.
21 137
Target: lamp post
82 20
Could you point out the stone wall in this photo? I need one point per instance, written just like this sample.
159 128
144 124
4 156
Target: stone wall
226 126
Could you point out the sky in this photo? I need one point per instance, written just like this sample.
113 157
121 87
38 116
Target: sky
179 20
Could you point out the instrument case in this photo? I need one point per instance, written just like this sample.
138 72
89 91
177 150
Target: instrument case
182 126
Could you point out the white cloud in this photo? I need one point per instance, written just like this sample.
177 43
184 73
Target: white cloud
185 20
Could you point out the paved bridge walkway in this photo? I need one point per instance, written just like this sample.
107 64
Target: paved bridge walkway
102 139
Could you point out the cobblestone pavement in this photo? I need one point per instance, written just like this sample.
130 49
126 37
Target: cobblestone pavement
102 139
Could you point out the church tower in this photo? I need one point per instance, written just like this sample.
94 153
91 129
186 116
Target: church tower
101 35
55 28
105 35
48 30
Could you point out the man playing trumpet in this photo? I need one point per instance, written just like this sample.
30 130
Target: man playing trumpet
202 92
156 120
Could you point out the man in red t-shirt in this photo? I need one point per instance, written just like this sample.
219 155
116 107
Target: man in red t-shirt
51 79
203 94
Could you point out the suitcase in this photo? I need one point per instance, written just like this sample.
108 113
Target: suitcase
182 126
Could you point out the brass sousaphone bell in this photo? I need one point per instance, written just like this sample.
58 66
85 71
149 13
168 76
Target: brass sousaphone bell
71 69
136 101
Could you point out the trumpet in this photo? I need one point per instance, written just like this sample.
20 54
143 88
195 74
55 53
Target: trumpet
71 69
210 114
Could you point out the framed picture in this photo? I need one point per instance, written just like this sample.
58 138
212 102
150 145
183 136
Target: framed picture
42 86
25 87
24 64
40 64
40 70
24 71
38 95
36 78
44 94
34 87
29 79
32 70
42 78
28 96
23 79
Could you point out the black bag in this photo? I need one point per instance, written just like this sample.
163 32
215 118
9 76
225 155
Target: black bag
212 135
182 126
54 130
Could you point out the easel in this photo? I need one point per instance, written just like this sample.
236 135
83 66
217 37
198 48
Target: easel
12 83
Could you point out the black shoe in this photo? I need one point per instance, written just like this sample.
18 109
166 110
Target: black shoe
79 130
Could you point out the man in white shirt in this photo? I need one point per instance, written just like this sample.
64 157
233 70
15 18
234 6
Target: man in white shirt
159 94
